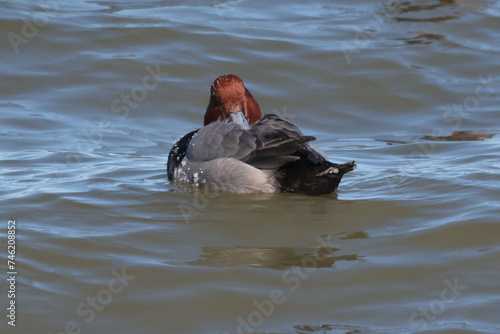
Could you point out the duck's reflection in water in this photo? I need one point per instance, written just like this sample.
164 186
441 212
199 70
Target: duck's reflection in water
331 329
436 12
278 258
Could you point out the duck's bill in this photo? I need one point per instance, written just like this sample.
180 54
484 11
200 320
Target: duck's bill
238 118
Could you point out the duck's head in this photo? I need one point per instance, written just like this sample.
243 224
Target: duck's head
229 99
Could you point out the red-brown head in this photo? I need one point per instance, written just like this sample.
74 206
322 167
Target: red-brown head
229 95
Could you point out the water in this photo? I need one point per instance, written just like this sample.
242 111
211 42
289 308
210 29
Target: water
98 91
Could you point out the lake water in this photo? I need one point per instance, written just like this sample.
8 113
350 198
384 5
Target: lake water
94 94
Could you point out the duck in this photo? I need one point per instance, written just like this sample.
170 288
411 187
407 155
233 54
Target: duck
239 151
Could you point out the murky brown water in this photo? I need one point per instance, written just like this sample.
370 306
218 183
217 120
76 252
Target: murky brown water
94 93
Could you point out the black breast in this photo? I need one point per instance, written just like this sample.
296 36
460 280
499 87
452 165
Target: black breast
177 153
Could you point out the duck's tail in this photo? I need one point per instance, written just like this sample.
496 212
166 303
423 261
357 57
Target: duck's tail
305 177
345 167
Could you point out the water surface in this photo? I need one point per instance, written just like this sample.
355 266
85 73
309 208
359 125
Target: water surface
94 93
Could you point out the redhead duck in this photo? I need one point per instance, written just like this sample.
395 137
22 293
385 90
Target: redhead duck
238 151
